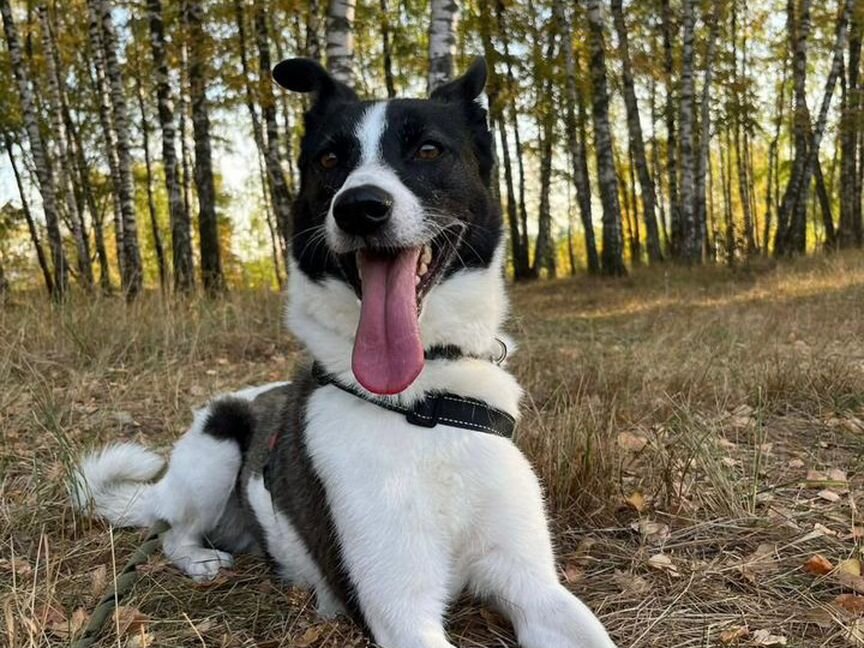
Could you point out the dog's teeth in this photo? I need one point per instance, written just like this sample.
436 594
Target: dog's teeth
416 280
426 256
422 269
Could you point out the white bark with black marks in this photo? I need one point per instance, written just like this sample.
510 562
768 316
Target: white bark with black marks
132 273
691 241
208 226
340 39
637 143
612 256
65 164
576 135
181 237
44 174
442 41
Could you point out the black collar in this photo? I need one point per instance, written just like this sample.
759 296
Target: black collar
447 409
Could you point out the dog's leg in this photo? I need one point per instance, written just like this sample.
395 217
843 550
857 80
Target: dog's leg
515 567
193 493
401 579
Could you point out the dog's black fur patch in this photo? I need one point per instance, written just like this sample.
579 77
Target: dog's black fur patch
231 419
295 487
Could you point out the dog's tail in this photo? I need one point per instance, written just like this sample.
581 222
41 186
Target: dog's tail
112 483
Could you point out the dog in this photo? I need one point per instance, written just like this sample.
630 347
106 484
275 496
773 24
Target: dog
382 476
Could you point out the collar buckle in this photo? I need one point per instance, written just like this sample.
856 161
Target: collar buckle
424 413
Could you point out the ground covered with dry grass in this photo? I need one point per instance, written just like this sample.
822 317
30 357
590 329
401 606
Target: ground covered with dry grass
700 435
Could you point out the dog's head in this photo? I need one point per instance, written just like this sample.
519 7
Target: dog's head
395 198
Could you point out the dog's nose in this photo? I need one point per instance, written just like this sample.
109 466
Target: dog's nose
362 210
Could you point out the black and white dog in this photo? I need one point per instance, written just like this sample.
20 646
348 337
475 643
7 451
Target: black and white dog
381 476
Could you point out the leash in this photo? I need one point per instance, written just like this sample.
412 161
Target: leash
123 584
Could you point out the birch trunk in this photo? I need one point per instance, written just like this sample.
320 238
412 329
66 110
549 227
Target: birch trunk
131 275
181 238
613 254
637 142
702 158
671 133
65 181
691 240
28 216
161 261
208 227
442 41
789 210
796 191
521 261
281 195
850 231
387 56
44 174
576 136
340 39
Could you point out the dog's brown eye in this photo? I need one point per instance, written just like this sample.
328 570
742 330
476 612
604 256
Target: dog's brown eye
329 160
428 151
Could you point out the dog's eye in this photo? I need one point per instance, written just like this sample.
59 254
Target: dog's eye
328 160
428 151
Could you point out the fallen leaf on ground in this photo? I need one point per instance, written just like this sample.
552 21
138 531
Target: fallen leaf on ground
850 566
141 639
765 638
310 637
632 442
99 580
630 582
732 635
852 603
760 562
853 582
130 620
828 495
795 463
637 502
572 574
818 565
652 532
662 562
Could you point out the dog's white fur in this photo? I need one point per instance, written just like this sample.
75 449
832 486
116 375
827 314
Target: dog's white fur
421 514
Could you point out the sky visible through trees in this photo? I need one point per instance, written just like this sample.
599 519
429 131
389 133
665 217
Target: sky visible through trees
151 149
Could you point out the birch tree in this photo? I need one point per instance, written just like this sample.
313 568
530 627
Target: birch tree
340 39
131 270
281 196
850 230
65 162
612 257
208 227
43 171
634 129
442 41
181 238
576 135
691 243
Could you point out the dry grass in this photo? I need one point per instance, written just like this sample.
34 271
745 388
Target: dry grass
703 397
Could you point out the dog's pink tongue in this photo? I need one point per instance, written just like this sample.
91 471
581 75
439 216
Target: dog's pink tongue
388 353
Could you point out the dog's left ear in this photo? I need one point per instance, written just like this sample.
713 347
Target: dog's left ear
467 87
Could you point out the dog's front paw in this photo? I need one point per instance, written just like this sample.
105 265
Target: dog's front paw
202 565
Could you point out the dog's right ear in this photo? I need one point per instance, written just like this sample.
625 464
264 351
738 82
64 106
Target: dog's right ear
307 75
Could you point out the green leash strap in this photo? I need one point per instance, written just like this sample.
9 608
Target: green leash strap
123 584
